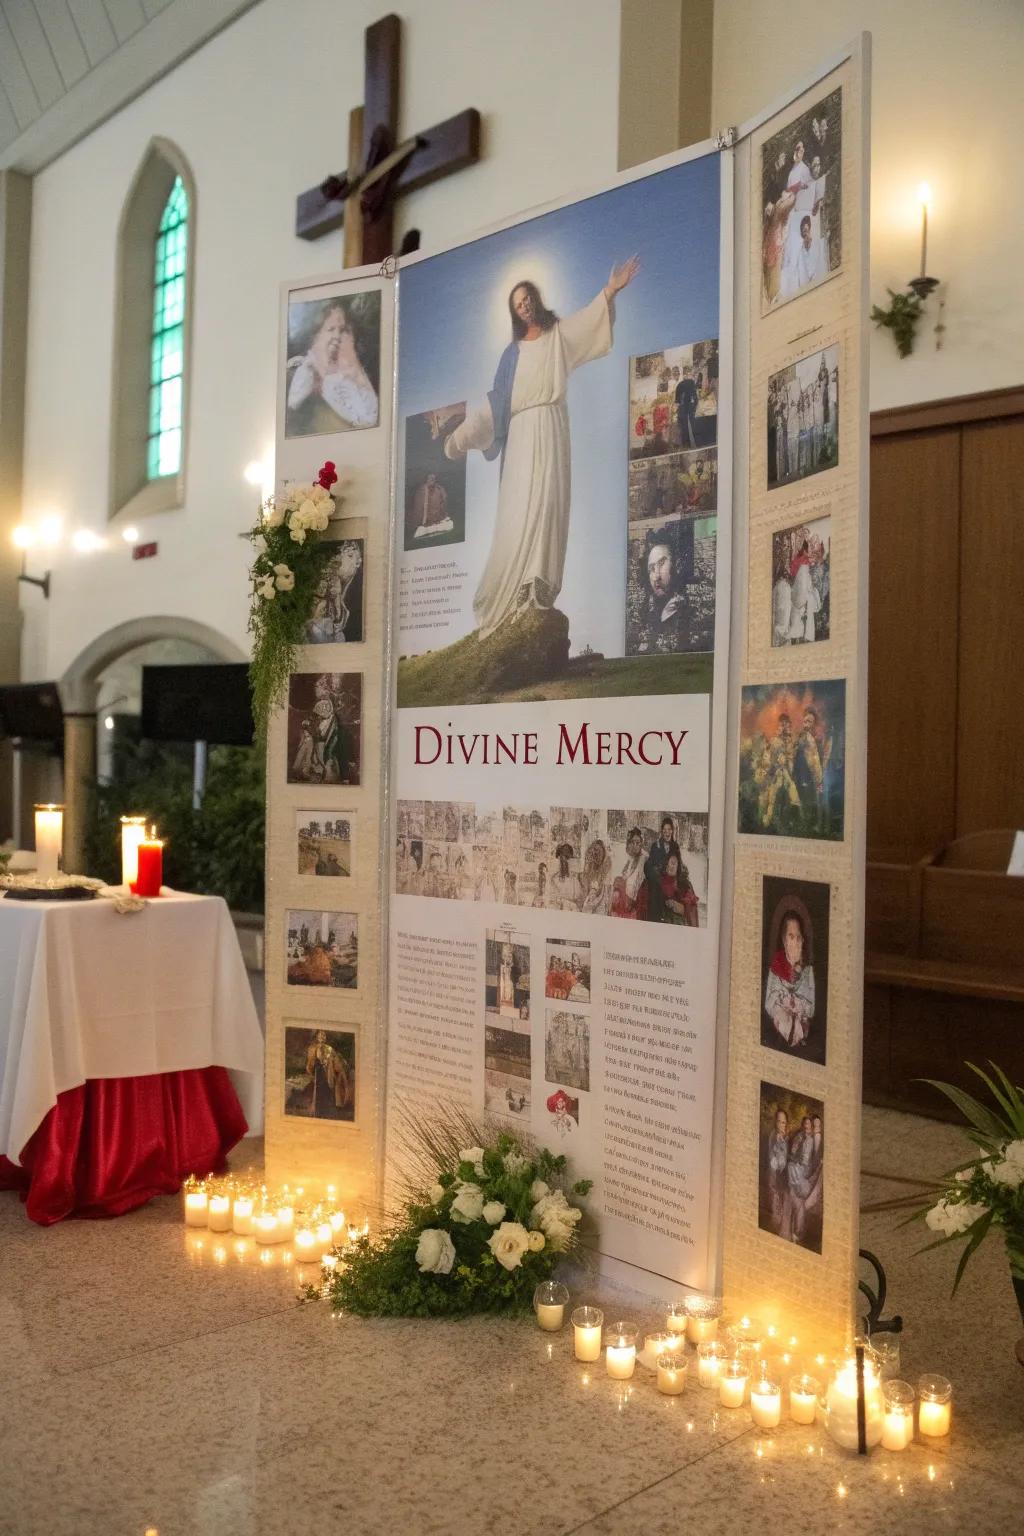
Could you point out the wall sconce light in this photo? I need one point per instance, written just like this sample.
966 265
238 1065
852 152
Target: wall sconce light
905 309
24 539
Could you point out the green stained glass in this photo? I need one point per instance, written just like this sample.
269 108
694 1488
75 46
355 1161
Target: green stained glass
167 349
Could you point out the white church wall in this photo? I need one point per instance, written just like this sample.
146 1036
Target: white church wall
261 113
947 109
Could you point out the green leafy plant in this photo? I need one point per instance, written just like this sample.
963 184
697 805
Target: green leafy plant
285 575
901 318
483 1223
988 1191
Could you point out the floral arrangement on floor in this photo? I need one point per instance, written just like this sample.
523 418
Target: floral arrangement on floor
285 575
484 1222
988 1191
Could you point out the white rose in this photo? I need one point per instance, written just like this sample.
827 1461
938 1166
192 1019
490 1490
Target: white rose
266 587
284 578
514 1162
538 1189
536 1242
493 1212
259 544
468 1204
556 1218
320 495
307 510
436 1193
298 534
1010 1168
474 1155
953 1217
320 519
273 515
509 1243
435 1252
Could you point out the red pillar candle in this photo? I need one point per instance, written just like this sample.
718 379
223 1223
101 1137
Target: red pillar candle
151 868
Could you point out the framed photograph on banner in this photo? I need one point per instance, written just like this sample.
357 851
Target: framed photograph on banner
325 727
802 419
791 1189
802 582
321 948
319 1072
802 202
332 371
794 966
324 843
337 616
792 780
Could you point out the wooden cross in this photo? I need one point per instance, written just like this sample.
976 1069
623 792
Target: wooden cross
379 169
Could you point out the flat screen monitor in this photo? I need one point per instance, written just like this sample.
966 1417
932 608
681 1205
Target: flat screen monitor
32 712
198 703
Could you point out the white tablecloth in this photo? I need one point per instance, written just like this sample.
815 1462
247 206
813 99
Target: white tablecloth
87 992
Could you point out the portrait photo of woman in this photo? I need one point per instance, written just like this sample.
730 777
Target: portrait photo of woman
332 376
794 967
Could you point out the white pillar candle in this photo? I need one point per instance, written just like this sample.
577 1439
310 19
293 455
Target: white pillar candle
841 1406
196 1207
676 1318
286 1222
266 1228
709 1363
550 1317
325 1236
933 1418
702 1314
620 1361
803 1399
133 832
897 1428
732 1383
241 1216
587 1323
49 840
765 1403
219 1213
671 1374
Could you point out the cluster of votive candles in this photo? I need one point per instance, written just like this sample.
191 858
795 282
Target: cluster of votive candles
313 1232
746 1367
142 857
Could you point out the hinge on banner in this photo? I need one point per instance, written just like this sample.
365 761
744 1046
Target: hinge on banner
726 138
388 267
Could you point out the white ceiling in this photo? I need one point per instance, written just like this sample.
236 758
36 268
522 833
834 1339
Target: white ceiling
66 65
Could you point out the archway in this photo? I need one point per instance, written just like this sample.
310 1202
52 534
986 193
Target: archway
79 688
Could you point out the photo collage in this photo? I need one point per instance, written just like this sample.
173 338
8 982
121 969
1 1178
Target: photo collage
646 865
792 737
508 1023
672 500
330 385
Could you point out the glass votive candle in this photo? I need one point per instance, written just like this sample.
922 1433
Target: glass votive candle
329 1263
803 1398
671 1367
286 1222
935 1405
218 1213
242 1215
656 1345
197 1203
898 1415
886 1349
675 1319
733 1376
266 1228
307 1248
745 1334
841 1413
587 1324
709 1362
337 1220
620 1351
549 1302
702 1314
765 1402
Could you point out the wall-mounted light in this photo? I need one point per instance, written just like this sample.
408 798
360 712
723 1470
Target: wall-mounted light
26 537
905 309
130 534
85 542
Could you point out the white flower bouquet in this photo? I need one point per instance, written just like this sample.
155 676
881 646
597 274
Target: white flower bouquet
285 575
486 1219
988 1191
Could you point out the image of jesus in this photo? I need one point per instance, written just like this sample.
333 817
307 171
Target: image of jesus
525 422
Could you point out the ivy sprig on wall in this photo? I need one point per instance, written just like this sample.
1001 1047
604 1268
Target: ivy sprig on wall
285 575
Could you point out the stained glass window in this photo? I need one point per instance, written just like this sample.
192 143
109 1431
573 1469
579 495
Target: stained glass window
167 348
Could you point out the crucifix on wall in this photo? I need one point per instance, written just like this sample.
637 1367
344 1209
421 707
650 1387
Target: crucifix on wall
379 168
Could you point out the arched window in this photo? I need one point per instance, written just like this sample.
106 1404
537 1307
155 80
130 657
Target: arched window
155 266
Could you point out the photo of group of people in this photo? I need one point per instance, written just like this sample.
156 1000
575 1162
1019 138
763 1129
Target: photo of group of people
435 485
507 1068
643 864
337 615
324 843
803 418
332 375
672 501
507 973
319 1072
801 583
791 1185
567 1049
567 970
792 759
802 202
324 727
794 966
321 949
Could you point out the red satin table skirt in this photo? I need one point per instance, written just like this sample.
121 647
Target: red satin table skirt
113 1143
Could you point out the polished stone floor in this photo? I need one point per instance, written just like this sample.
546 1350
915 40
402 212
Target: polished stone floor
150 1386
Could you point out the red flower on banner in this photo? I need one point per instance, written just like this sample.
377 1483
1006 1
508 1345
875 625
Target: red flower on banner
328 475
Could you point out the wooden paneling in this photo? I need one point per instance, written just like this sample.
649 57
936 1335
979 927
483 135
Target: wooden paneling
912 671
990 734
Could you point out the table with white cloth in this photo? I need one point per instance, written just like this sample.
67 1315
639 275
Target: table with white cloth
125 1042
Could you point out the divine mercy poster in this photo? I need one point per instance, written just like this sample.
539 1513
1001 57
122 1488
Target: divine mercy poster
558 636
